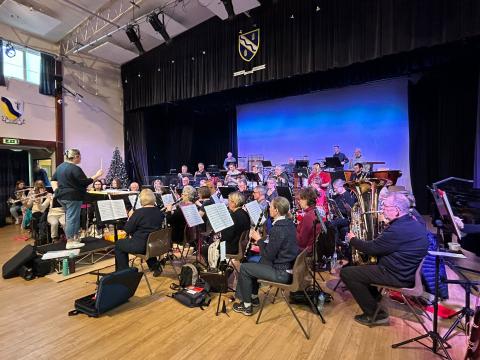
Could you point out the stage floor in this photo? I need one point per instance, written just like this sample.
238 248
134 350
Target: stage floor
35 325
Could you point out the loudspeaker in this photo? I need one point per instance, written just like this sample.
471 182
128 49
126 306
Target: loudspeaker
11 268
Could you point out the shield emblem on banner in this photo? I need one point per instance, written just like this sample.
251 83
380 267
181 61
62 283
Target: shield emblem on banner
248 44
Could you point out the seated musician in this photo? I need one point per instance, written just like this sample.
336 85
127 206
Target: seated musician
358 172
277 258
15 200
201 173
37 200
344 200
305 229
259 193
97 185
242 189
271 190
233 175
141 223
175 216
229 159
183 173
134 186
280 176
256 171
321 195
400 249
185 182
204 199
241 222
319 176
158 186
116 184
56 216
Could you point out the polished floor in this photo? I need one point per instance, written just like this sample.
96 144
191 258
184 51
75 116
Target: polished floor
35 325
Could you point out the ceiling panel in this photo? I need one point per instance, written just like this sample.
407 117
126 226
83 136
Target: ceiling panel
113 53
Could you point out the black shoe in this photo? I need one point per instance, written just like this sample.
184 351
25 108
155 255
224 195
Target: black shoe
256 302
239 307
157 272
381 319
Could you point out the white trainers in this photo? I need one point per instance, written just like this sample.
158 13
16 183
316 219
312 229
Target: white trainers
17 221
74 245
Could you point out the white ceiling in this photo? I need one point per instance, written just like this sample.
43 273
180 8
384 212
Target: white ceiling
55 21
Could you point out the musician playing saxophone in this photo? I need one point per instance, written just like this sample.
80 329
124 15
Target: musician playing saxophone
400 249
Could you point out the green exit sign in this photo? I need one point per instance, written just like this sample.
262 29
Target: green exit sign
10 141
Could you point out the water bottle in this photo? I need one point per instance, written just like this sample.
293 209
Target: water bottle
321 302
333 262
65 269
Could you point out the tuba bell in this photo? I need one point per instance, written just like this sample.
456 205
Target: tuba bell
365 223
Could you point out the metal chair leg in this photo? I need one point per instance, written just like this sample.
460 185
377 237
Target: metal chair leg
263 304
338 283
294 315
146 278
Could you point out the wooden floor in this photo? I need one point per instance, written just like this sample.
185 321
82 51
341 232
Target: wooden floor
35 325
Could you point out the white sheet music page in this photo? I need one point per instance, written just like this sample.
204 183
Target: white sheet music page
119 209
254 211
167 199
105 210
219 217
133 199
191 215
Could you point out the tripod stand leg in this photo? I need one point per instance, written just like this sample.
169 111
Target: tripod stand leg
454 325
441 342
338 283
314 308
394 346
218 303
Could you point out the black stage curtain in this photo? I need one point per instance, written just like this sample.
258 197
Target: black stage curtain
180 134
135 146
202 61
13 167
476 168
47 75
442 124
2 77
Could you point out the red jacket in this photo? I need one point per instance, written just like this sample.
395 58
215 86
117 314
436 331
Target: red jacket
305 230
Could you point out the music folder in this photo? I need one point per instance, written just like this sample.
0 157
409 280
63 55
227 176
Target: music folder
301 164
254 211
192 217
266 163
253 177
332 162
111 210
219 217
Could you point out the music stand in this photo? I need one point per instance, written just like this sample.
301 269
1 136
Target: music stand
212 170
173 171
252 177
226 190
301 164
333 162
286 193
148 187
266 163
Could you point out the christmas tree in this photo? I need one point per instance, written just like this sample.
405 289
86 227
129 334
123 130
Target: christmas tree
117 170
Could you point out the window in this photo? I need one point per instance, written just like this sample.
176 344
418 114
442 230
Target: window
25 65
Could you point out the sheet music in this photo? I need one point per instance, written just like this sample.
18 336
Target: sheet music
254 211
111 209
450 213
60 254
219 217
134 198
191 215
223 250
167 199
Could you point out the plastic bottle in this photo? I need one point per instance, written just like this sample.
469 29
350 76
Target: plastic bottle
65 269
321 301
333 262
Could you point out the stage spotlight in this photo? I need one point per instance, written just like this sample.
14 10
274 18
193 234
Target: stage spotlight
132 32
159 26
10 50
229 7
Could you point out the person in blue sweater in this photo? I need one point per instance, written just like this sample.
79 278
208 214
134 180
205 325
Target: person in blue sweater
399 249
278 253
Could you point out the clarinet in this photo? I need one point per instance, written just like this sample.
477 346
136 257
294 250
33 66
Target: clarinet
250 242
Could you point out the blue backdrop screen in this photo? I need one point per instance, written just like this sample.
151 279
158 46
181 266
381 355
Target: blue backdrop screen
373 117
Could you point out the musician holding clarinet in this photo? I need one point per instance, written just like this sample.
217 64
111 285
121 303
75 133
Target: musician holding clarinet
278 255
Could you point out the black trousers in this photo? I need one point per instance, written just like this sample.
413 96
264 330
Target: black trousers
126 246
358 280
250 272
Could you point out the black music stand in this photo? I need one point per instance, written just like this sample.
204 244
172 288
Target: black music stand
226 190
437 340
333 162
286 193
252 177
266 163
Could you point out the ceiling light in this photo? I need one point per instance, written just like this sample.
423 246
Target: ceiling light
159 26
132 32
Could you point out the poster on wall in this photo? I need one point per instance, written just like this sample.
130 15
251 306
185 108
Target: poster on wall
11 110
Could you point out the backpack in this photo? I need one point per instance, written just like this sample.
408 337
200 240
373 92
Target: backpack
193 296
188 275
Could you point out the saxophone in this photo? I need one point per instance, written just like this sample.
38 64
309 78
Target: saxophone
365 222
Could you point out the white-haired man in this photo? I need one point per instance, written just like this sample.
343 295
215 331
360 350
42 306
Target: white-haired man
400 249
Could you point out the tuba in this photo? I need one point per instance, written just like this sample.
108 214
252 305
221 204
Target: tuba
365 223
